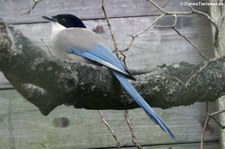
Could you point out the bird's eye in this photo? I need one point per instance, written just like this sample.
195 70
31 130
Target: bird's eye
63 20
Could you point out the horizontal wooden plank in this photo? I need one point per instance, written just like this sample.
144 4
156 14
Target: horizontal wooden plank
12 11
22 125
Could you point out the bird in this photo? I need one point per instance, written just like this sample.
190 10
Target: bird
70 38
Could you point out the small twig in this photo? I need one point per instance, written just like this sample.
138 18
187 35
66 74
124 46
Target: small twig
218 123
216 36
183 36
110 28
134 140
163 6
124 58
168 26
175 21
195 46
47 46
110 129
203 133
33 6
168 12
201 68
117 51
193 10
193 76
205 125
141 32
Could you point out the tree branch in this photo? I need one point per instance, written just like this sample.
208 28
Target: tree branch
47 81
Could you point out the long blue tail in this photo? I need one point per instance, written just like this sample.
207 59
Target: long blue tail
142 103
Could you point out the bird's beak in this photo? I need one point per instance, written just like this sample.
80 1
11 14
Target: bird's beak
49 19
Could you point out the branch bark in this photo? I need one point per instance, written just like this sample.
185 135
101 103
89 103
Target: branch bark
48 82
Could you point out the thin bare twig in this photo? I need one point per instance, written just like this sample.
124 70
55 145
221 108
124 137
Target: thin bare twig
169 26
168 12
47 46
216 34
175 21
33 6
203 133
207 111
205 125
110 28
193 10
112 36
124 58
218 123
201 68
163 6
134 140
193 76
141 32
195 46
110 129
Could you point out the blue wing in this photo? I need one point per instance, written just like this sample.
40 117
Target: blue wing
102 55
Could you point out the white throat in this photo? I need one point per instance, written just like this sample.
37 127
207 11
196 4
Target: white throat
56 27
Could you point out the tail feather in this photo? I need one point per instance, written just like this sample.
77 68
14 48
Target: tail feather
141 102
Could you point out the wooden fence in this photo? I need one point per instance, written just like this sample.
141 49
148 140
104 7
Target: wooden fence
23 127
